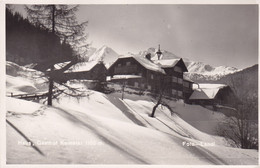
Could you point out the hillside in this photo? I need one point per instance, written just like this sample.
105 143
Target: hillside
27 43
244 82
245 85
103 129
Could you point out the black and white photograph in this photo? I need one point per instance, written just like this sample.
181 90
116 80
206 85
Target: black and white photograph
131 84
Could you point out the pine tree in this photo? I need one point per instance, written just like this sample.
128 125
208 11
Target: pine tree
60 20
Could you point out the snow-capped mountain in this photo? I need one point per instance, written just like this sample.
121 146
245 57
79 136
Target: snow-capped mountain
90 52
197 71
105 54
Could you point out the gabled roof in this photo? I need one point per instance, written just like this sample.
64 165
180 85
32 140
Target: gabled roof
158 65
146 63
167 63
82 66
206 91
59 66
204 94
208 86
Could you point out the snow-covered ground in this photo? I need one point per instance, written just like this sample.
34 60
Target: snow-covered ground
103 129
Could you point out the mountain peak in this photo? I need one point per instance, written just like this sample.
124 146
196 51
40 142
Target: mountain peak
105 54
105 47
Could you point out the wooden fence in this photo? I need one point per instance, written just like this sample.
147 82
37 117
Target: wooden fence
30 96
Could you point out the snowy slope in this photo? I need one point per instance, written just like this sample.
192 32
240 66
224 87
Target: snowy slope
103 129
105 54
91 51
20 80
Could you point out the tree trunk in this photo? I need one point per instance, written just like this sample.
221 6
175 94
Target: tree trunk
123 90
52 67
50 88
155 107
157 104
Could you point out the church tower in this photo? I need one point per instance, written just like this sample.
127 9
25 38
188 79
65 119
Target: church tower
159 53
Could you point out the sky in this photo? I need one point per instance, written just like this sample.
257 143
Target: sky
215 34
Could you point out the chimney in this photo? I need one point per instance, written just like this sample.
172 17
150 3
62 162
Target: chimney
159 53
148 56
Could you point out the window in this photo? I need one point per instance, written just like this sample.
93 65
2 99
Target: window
180 80
136 84
152 76
140 73
174 79
119 65
174 92
177 69
142 85
180 93
128 63
149 87
186 84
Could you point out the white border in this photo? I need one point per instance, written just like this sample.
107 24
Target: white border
2 73
131 1
2 87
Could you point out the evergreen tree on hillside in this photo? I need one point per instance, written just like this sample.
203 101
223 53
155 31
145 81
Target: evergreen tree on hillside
59 20
27 43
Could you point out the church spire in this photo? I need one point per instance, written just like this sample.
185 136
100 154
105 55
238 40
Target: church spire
159 53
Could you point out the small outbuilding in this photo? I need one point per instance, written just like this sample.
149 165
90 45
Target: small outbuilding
212 94
94 70
92 74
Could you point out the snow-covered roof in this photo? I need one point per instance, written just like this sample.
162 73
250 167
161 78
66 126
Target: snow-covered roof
206 91
61 65
82 66
208 86
149 64
204 94
167 63
126 76
146 63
